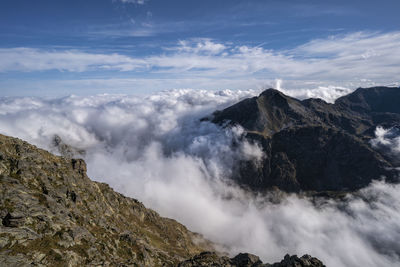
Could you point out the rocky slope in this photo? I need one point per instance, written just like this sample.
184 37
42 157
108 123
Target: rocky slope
52 214
312 145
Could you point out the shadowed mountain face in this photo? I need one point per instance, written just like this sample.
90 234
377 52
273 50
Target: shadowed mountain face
312 145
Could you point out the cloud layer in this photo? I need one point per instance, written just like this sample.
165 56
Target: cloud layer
356 59
155 148
30 59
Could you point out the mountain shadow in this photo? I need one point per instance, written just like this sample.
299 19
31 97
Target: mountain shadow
312 145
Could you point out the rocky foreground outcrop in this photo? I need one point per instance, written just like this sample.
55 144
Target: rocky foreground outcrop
312 145
52 214
210 259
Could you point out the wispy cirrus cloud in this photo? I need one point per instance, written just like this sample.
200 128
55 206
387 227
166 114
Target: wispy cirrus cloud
140 2
200 46
30 59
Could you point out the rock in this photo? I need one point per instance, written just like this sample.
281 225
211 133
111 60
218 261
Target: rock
208 259
12 220
49 206
38 257
18 260
312 145
4 241
246 260
79 166
71 195
294 261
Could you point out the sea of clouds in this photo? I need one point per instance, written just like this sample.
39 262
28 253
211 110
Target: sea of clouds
156 149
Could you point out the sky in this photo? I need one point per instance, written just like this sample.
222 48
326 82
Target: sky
57 48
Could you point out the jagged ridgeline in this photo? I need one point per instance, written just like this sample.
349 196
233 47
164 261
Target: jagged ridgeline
312 145
52 214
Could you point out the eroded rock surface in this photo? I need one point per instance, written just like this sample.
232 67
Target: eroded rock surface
52 214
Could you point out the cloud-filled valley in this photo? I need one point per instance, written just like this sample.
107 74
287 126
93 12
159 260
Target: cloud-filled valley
156 149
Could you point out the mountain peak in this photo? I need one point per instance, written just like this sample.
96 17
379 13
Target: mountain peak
271 91
275 97
302 140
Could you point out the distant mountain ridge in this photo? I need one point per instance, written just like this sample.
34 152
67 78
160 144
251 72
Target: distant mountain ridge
311 145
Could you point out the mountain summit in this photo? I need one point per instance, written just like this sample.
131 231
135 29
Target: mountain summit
311 145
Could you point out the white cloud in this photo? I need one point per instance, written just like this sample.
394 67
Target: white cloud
53 88
357 59
154 148
139 2
365 55
327 93
198 46
30 59
387 139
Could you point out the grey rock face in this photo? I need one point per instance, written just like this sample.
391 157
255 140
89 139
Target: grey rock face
294 261
53 214
312 145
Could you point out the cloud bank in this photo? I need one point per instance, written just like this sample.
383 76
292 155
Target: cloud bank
156 149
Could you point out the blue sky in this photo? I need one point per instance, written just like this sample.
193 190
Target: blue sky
55 48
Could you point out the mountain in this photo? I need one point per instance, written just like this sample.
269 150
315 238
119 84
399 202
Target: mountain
312 145
52 214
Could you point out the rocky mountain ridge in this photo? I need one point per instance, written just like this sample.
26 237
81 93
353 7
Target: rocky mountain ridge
312 145
52 214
